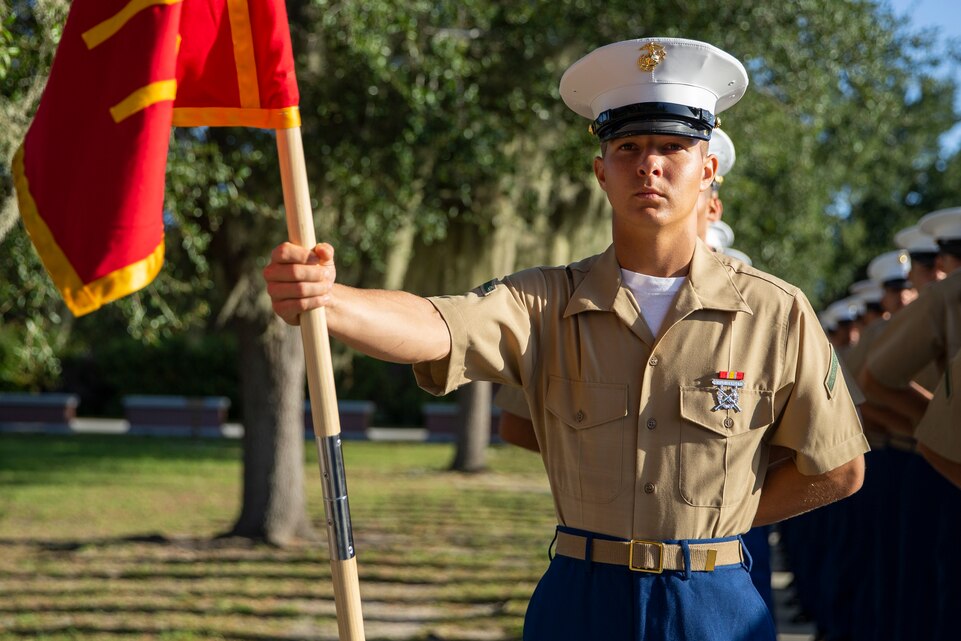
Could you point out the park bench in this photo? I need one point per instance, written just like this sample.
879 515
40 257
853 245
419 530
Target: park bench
194 416
355 419
47 412
443 423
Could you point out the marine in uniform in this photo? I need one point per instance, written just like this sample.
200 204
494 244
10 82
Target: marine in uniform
926 333
660 447
924 256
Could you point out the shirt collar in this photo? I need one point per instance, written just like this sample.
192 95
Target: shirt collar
708 286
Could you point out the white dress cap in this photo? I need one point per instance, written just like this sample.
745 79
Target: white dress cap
944 224
659 73
867 291
828 324
723 147
720 236
915 241
738 255
890 267
846 309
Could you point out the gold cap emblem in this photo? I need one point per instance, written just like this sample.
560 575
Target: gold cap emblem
653 55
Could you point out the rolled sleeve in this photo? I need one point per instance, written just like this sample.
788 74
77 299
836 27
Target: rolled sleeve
817 419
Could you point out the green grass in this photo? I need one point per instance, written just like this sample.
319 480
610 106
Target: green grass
108 537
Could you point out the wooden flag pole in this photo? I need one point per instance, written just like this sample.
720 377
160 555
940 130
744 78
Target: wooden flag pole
323 398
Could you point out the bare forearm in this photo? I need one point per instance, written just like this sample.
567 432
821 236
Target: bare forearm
880 419
910 402
787 492
390 325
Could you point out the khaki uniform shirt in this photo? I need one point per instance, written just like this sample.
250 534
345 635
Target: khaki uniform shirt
627 425
511 399
940 429
926 331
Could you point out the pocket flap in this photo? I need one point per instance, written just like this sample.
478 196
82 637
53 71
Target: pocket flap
582 405
757 410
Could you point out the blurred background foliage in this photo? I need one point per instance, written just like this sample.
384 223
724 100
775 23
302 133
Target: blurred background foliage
440 155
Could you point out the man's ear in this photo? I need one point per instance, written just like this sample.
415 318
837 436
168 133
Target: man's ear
710 171
715 209
599 172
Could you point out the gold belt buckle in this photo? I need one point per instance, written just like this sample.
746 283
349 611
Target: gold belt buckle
660 557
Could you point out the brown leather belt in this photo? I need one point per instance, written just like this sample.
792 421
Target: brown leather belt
651 556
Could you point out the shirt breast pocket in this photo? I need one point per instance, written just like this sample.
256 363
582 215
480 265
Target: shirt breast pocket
720 450
585 445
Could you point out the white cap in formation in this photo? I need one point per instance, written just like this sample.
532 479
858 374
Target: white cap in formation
867 291
890 268
845 310
915 241
942 225
671 86
720 236
828 324
723 147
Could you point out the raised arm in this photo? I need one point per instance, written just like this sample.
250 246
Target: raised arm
390 325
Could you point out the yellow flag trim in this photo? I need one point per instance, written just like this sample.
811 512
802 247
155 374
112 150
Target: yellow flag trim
243 38
80 298
286 118
103 31
144 97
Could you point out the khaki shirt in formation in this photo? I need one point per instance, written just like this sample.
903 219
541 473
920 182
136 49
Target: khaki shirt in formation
631 429
857 358
940 429
926 331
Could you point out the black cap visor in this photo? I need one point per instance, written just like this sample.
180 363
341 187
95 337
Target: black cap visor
924 258
950 246
654 118
897 284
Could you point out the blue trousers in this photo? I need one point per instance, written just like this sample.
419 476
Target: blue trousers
585 601
755 540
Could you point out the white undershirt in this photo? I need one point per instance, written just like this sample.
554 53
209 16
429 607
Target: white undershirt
654 295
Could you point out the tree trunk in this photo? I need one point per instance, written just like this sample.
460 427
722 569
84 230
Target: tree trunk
272 388
474 420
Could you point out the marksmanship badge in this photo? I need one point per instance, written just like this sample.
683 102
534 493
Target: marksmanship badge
726 386
653 55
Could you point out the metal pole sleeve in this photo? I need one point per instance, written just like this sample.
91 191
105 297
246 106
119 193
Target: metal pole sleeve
339 532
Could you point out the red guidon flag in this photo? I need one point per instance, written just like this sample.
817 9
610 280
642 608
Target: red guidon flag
90 172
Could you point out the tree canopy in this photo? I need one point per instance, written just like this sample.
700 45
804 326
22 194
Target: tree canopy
441 155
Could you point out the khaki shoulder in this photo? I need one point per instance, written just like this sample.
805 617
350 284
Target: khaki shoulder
744 275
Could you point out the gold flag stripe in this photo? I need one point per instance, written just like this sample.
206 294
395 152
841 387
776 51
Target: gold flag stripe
243 38
144 97
81 298
103 31
286 118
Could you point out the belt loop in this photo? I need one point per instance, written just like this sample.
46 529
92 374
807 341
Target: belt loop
686 549
588 545
550 555
746 554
